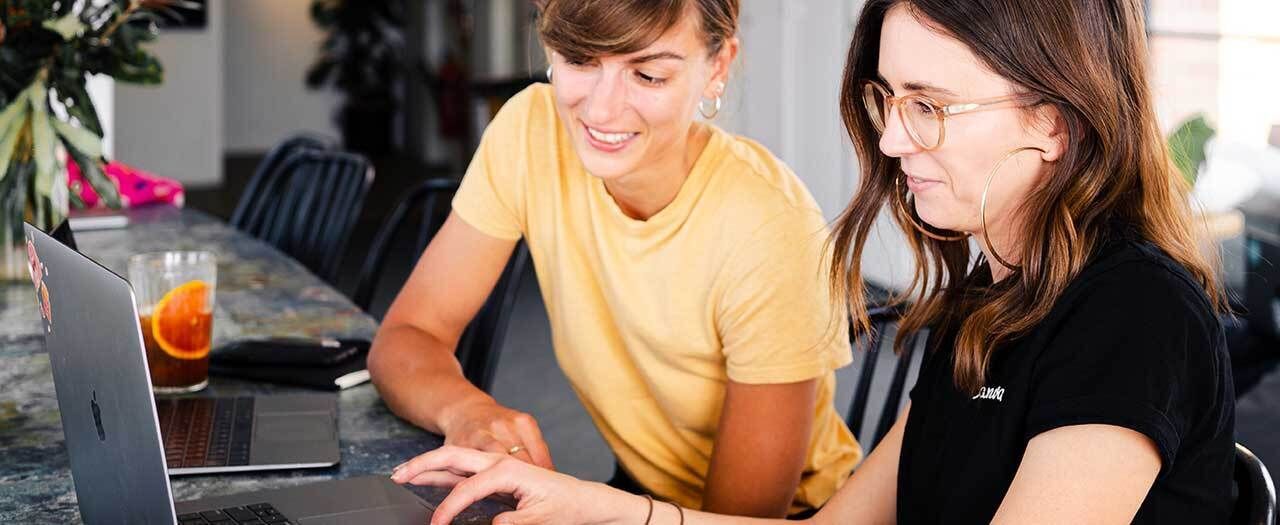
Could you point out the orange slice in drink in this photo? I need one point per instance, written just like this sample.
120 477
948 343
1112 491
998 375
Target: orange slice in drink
181 322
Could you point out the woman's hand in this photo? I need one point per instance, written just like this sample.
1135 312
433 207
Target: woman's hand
542 496
491 427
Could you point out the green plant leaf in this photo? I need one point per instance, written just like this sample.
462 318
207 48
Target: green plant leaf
11 112
8 142
68 26
75 201
42 142
37 202
1187 146
75 97
58 198
81 139
11 123
92 171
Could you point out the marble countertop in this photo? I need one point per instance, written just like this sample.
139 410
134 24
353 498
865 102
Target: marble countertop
260 292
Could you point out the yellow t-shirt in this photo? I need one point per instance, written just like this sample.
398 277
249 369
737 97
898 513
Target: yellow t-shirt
651 319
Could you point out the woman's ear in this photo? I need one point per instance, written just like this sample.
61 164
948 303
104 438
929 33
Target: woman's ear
722 62
1054 136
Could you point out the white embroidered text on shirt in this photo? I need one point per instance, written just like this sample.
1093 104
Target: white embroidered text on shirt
991 392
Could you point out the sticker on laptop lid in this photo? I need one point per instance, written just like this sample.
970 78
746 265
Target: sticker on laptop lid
38 272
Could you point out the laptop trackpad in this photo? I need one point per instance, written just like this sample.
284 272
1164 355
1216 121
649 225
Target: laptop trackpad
304 426
393 515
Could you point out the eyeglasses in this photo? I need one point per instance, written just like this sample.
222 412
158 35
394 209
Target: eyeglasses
924 118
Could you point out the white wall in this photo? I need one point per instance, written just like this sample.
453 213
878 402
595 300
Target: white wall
175 129
102 90
785 95
1249 71
268 47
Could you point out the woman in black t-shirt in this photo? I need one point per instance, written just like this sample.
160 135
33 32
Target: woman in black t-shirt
1077 372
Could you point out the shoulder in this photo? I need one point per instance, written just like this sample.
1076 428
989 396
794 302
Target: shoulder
1134 342
1137 275
759 191
756 170
1133 303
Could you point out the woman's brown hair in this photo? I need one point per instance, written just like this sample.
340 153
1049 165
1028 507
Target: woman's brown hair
582 30
1088 60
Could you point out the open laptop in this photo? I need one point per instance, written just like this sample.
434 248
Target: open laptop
113 434
206 435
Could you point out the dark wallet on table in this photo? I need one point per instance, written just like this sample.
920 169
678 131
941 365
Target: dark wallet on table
325 364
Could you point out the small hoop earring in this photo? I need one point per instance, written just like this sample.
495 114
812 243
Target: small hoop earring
549 66
901 202
982 210
713 114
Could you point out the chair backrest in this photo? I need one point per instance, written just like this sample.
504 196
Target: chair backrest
263 188
426 198
883 377
480 347
315 213
1255 493
481 343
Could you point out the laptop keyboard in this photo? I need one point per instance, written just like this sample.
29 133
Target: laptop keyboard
260 513
206 432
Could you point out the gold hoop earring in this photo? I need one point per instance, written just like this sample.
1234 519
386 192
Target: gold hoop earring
713 114
549 66
982 209
900 201
719 93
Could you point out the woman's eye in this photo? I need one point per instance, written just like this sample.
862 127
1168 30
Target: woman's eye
577 62
921 107
651 80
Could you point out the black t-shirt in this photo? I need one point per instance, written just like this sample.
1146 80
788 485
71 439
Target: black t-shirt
1132 342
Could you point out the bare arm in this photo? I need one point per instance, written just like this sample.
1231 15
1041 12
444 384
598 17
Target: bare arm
548 497
412 360
760 449
871 493
1081 474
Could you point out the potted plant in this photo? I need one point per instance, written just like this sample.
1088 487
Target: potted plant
362 56
48 49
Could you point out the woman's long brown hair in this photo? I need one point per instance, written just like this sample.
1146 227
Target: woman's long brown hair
1086 58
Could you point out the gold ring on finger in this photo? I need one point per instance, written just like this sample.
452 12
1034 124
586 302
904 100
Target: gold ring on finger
515 450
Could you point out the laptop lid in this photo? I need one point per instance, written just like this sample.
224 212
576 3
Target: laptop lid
103 386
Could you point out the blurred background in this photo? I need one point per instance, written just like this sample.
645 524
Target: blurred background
410 84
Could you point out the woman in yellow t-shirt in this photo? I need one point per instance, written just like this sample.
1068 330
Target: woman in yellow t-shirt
682 269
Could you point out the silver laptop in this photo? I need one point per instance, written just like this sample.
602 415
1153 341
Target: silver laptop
206 435
113 434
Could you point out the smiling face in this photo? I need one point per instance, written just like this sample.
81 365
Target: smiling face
630 112
947 182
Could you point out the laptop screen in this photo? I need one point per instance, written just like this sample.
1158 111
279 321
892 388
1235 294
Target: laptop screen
102 384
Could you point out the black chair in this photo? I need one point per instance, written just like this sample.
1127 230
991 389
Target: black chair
425 198
319 197
480 346
264 188
876 364
1255 493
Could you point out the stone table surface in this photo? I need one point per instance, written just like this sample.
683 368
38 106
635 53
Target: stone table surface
260 292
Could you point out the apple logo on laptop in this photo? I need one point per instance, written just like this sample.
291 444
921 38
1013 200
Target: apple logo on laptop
97 417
